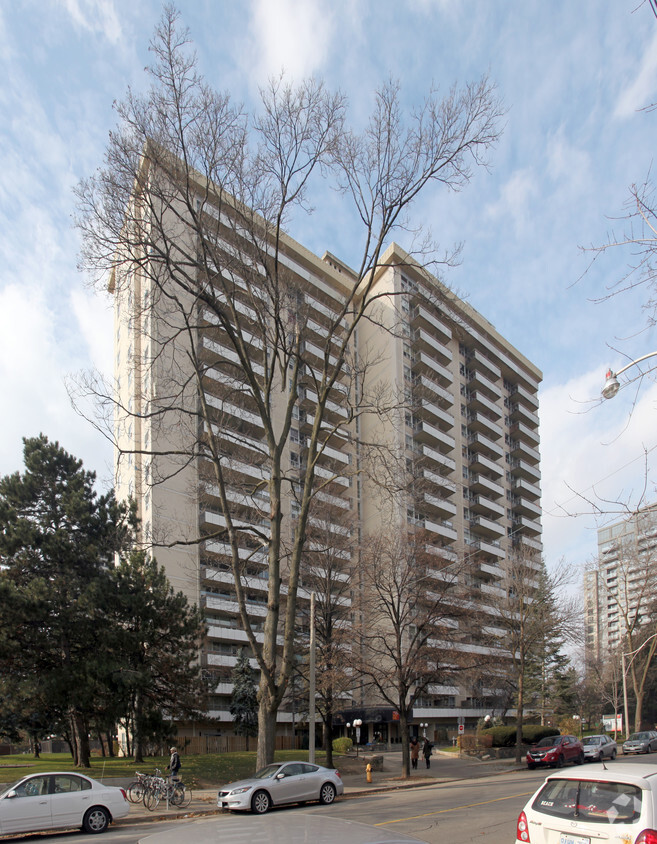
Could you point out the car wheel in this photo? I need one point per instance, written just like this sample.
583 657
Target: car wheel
579 759
260 802
327 793
559 762
96 819
613 753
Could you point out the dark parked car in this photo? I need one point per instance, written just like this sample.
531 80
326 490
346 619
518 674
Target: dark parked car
644 742
555 751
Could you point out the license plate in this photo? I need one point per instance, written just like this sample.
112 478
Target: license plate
566 838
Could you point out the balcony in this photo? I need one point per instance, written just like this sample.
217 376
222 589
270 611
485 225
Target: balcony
421 315
481 504
525 397
480 442
486 527
425 341
436 414
520 431
521 412
434 392
479 381
442 528
482 483
522 450
523 487
437 457
423 363
478 401
425 433
527 508
480 463
525 470
484 424
446 486
521 523
439 505
477 360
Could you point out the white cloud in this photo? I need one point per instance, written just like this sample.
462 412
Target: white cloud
289 35
515 197
593 458
96 16
642 91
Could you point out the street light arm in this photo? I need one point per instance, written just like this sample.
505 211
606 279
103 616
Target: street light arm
612 384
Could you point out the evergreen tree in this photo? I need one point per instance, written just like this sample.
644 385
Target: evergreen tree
244 700
57 538
155 636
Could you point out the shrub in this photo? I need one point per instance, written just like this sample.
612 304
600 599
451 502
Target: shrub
506 736
342 745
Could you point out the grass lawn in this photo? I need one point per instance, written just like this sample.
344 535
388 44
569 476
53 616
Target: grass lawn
205 771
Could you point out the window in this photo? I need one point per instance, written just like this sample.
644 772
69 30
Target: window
594 802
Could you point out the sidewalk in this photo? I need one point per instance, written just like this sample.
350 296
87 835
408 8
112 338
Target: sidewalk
444 768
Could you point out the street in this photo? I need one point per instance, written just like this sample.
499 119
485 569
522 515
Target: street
459 812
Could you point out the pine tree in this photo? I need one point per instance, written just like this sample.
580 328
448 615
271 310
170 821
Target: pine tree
244 700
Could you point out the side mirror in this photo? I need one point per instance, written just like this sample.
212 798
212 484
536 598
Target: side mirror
10 794
280 776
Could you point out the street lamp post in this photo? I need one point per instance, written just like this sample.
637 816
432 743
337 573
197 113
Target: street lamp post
612 384
357 724
423 727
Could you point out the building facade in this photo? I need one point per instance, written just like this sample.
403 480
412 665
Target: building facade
619 588
463 419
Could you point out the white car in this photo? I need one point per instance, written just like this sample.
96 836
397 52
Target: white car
591 806
597 748
280 783
60 800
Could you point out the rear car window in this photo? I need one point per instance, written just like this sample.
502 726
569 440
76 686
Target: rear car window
595 802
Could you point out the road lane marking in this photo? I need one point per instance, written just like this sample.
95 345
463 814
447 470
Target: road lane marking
456 808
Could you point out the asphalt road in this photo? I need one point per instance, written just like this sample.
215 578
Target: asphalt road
459 812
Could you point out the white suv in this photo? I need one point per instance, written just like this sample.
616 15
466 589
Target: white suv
617 806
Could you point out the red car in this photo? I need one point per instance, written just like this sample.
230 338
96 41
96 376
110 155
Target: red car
555 751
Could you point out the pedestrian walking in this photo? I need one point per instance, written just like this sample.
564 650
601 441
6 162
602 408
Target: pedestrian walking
427 747
415 751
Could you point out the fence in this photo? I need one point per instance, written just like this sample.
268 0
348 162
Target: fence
198 745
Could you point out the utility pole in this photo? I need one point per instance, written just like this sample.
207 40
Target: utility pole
311 683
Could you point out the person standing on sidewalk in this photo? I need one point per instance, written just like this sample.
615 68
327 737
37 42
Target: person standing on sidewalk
174 763
427 747
415 751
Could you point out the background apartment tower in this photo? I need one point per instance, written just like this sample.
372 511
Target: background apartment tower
469 428
619 589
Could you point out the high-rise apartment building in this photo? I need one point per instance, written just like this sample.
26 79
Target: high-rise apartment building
469 428
619 588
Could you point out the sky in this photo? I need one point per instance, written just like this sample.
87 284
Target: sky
575 80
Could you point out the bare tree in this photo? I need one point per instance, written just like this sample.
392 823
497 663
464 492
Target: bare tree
187 217
326 572
527 614
416 613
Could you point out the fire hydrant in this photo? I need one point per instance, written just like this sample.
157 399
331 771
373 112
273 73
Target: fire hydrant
368 772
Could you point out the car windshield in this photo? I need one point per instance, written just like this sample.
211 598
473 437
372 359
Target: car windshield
638 737
266 772
593 740
594 802
550 741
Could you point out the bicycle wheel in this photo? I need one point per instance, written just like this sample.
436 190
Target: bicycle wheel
135 792
181 796
152 799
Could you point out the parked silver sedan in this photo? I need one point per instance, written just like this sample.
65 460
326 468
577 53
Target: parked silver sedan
281 783
60 801
643 742
598 748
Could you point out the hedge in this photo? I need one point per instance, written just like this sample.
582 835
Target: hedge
531 733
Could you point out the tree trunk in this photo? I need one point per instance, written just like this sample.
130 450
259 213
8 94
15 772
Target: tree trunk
406 758
79 740
328 741
638 711
519 713
266 729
